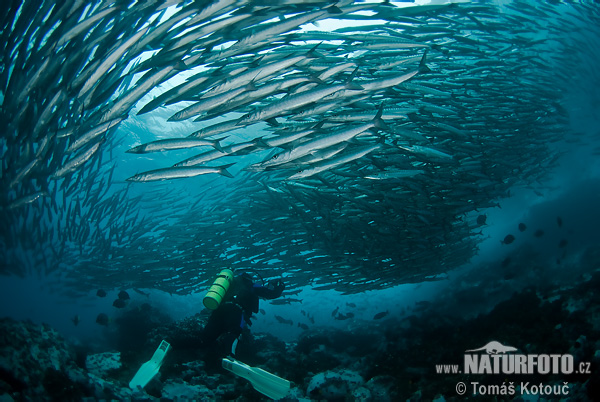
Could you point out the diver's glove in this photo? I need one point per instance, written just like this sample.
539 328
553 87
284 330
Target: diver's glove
277 286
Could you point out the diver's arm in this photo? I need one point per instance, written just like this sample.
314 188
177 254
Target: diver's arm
272 291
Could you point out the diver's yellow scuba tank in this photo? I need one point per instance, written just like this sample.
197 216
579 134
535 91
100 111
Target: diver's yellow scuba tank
219 288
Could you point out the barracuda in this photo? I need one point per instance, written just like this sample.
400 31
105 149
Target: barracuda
331 163
175 143
357 218
295 101
322 142
179 173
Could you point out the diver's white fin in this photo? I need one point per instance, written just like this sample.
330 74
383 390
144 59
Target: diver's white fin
264 382
150 368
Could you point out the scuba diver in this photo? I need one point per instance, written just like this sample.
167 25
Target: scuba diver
232 300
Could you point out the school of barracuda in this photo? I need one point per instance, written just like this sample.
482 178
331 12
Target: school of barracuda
367 148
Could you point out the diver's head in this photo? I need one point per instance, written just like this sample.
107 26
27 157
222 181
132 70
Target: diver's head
249 275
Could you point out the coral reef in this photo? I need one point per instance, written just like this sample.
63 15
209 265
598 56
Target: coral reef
383 360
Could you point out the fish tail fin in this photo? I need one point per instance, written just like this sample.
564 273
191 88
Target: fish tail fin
319 125
180 66
313 54
223 170
251 86
215 144
273 122
378 121
333 9
312 78
260 143
352 85
422 66
255 63
440 49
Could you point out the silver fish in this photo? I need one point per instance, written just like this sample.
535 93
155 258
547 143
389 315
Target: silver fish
331 163
179 172
175 143
76 162
294 101
27 199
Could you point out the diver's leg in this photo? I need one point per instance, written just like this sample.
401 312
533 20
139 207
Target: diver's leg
233 324
213 328
222 328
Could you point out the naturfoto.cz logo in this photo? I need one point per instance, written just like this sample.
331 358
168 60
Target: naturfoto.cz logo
494 358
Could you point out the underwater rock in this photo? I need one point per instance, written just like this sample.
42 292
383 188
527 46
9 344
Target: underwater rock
179 390
580 348
134 327
263 348
104 389
395 355
333 384
37 363
361 394
100 363
32 356
193 372
296 394
182 335
381 388
573 305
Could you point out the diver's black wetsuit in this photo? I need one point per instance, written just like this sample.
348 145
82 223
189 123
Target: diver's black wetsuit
234 312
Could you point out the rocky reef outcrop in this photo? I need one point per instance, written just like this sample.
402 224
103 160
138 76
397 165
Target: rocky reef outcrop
383 360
